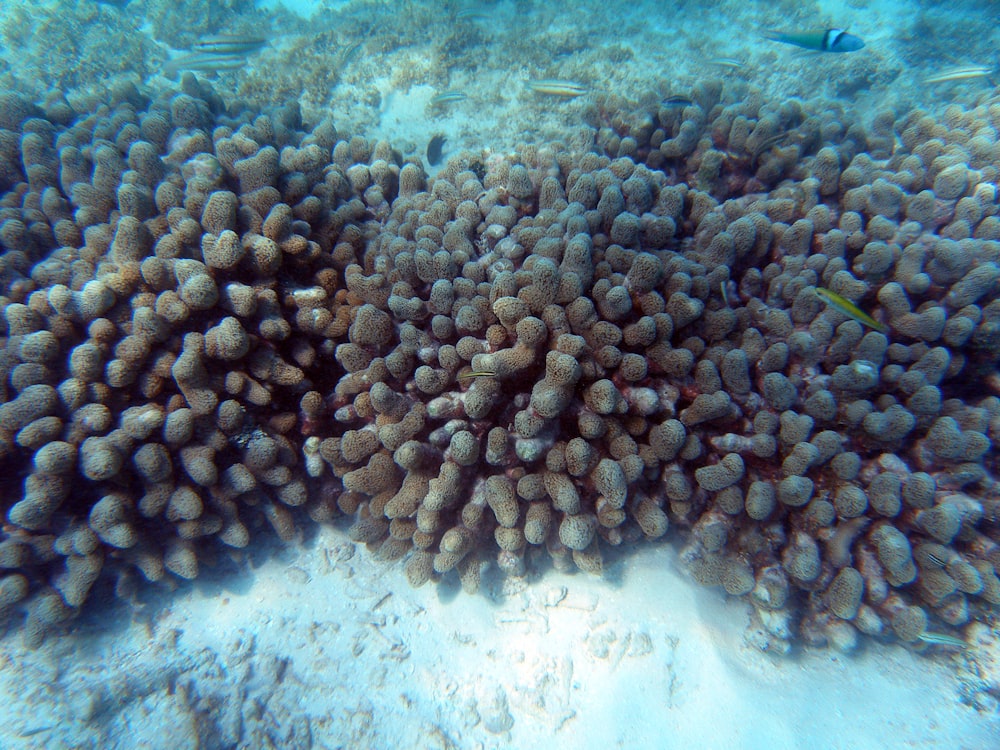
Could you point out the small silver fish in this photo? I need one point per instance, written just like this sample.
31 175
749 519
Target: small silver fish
726 62
942 639
229 44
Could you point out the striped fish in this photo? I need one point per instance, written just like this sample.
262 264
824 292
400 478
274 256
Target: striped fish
229 44
477 374
676 101
967 73
201 62
940 562
349 52
555 87
448 97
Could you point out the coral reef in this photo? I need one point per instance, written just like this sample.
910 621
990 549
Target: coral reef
218 321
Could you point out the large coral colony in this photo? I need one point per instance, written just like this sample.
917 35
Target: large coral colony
219 322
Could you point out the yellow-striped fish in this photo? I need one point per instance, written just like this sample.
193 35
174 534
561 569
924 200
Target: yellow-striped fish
848 308
942 639
554 87
966 73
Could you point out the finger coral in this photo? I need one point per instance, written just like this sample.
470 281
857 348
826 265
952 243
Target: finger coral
215 328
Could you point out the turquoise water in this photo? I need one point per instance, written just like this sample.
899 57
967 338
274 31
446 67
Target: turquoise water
521 303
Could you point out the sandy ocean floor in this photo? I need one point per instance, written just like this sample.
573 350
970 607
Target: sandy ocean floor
323 647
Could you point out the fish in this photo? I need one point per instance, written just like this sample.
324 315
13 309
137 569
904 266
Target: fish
229 44
555 87
726 62
676 102
477 374
966 73
766 145
942 639
448 97
770 141
203 63
349 52
848 308
434 148
936 560
828 40
36 730
471 14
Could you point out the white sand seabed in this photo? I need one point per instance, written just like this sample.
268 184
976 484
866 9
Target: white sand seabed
322 646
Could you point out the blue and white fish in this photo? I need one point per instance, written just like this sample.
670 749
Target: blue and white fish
829 40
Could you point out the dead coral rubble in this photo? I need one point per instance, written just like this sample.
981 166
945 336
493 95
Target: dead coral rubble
215 322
